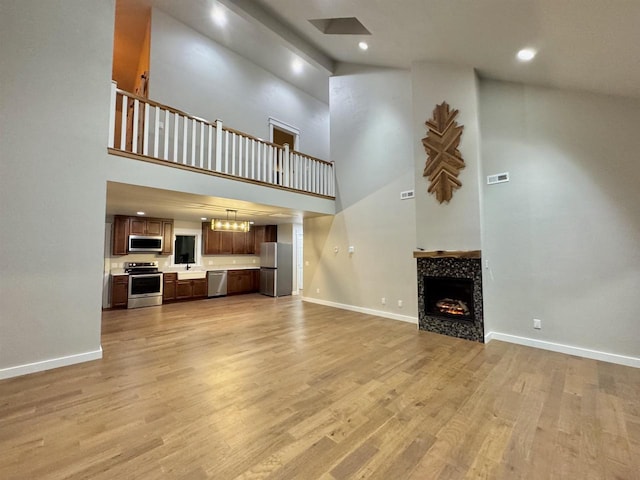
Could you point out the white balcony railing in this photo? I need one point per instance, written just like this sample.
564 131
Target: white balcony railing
146 129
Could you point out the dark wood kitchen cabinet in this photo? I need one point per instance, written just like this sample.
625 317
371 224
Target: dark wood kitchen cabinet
250 242
242 281
167 237
119 291
123 226
191 289
236 243
265 233
145 226
169 281
120 235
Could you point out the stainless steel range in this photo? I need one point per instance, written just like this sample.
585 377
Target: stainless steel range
145 284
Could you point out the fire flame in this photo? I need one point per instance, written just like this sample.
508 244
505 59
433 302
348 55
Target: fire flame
452 307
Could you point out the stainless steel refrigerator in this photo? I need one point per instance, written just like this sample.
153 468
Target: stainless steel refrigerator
276 269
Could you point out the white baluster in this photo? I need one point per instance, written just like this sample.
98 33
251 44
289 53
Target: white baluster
193 141
201 144
134 140
239 161
185 131
123 126
233 154
234 143
239 141
226 152
165 132
156 132
218 145
176 135
145 130
209 145
112 116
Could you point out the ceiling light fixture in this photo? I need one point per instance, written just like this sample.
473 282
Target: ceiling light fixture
230 225
526 54
140 213
297 66
363 46
219 16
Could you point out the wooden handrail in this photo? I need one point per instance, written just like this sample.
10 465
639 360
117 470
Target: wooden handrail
166 107
251 137
312 158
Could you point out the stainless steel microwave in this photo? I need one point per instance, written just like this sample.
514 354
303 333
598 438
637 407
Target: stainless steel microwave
144 243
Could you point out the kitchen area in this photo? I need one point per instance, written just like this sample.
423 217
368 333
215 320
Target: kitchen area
155 261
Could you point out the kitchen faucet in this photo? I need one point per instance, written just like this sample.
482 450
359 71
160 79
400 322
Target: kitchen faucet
188 267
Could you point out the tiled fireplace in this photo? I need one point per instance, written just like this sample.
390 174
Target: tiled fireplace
450 293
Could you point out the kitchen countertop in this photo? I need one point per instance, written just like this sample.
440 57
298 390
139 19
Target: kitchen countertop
233 267
120 272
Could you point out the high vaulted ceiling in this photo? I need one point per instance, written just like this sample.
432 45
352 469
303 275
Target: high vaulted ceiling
582 44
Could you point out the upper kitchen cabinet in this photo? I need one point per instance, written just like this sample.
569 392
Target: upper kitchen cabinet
120 235
167 237
236 243
265 233
145 226
124 226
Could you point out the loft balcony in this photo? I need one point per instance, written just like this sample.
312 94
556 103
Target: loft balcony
145 130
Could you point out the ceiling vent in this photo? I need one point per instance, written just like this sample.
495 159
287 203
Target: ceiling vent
340 26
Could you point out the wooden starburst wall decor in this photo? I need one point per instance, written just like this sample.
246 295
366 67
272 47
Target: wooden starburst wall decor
444 161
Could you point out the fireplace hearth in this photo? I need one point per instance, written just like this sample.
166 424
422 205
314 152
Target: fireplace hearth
450 293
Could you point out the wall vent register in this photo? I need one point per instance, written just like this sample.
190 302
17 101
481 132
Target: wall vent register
406 195
498 178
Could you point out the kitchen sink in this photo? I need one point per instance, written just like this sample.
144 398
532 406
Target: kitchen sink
191 275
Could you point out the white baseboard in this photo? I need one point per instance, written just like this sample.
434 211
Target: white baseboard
49 364
368 311
568 349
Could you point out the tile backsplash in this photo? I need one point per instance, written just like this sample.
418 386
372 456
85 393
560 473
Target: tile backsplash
116 264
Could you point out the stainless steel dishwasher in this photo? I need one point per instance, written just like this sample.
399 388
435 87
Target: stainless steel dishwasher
217 283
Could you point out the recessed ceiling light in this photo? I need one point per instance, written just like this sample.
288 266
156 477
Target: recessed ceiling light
363 45
140 213
203 218
526 54
219 16
297 66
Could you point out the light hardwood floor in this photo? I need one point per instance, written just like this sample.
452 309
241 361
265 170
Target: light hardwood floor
252 387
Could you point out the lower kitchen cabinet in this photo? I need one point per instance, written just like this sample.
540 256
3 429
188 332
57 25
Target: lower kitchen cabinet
169 287
191 289
242 281
174 289
119 291
199 287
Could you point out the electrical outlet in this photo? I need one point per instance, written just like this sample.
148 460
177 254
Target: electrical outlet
210 262
400 303
317 290
254 260
383 301
537 323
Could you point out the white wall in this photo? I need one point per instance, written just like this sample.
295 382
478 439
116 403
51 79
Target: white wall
56 66
371 139
195 74
454 225
562 238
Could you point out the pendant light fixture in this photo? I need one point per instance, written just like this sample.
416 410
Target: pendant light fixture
230 225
